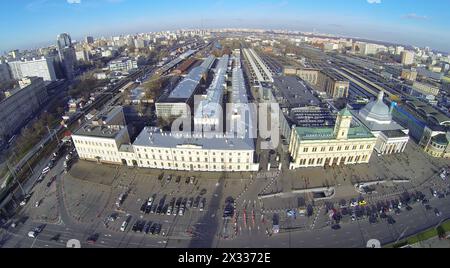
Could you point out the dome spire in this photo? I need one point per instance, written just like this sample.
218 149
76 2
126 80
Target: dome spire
381 95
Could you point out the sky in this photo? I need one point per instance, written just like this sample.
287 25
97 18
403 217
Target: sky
33 23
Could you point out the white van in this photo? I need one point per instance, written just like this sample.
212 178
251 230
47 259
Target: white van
124 226
46 170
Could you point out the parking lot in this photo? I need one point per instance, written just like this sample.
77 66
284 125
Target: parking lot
177 202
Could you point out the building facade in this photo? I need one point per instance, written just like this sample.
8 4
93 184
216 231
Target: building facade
160 150
426 88
436 142
308 75
348 143
407 57
42 67
100 139
19 105
331 83
123 65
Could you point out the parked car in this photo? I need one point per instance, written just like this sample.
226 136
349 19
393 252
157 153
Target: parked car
135 226
45 171
189 202
40 178
93 238
196 202
437 212
158 229
147 227
36 231
202 204
153 228
181 211
150 201
143 207
25 200
52 179
125 224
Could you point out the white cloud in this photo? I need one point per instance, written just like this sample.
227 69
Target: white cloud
374 1
74 1
414 16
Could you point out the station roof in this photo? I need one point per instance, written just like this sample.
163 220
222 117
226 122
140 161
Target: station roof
187 86
327 133
430 112
151 137
294 92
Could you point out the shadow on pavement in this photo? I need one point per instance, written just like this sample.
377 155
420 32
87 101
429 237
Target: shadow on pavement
207 227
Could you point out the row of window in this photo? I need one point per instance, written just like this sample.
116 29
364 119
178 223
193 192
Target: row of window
331 161
106 159
95 151
437 146
338 148
192 166
188 152
198 159
92 143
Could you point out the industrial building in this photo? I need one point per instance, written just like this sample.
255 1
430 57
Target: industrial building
209 113
259 71
333 84
299 104
181 100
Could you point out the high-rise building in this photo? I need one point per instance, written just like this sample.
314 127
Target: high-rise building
42 67
407 57
64 40
399 50
66 53
89 39
5 75
14 54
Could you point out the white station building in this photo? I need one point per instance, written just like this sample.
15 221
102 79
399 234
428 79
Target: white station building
377 117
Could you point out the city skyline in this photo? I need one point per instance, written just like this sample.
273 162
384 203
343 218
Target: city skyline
418 23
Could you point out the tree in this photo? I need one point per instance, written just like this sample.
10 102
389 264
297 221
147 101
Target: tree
154 87
441 232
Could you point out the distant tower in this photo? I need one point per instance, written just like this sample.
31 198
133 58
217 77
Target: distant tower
66 53
343 122
89 39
